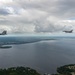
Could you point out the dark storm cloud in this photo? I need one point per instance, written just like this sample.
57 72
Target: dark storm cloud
4 11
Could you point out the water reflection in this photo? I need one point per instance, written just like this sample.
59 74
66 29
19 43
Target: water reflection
43 56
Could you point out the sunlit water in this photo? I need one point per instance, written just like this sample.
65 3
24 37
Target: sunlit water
44 56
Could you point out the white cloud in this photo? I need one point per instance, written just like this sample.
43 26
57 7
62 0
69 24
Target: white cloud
37 16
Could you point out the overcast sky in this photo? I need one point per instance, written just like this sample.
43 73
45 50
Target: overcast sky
37 15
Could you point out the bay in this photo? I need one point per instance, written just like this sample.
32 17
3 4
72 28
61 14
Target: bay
44 56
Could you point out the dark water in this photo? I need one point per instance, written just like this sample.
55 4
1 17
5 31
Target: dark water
43 56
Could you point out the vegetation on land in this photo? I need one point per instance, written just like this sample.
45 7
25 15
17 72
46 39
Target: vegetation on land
63 70
18 71
66 70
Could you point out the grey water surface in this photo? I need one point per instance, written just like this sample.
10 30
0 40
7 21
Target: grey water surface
44 56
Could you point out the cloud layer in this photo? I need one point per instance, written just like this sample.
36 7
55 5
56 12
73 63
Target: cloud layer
37 16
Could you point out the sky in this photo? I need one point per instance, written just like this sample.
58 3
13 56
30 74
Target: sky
37 16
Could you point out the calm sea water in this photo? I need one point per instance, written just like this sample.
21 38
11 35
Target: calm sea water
44 56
